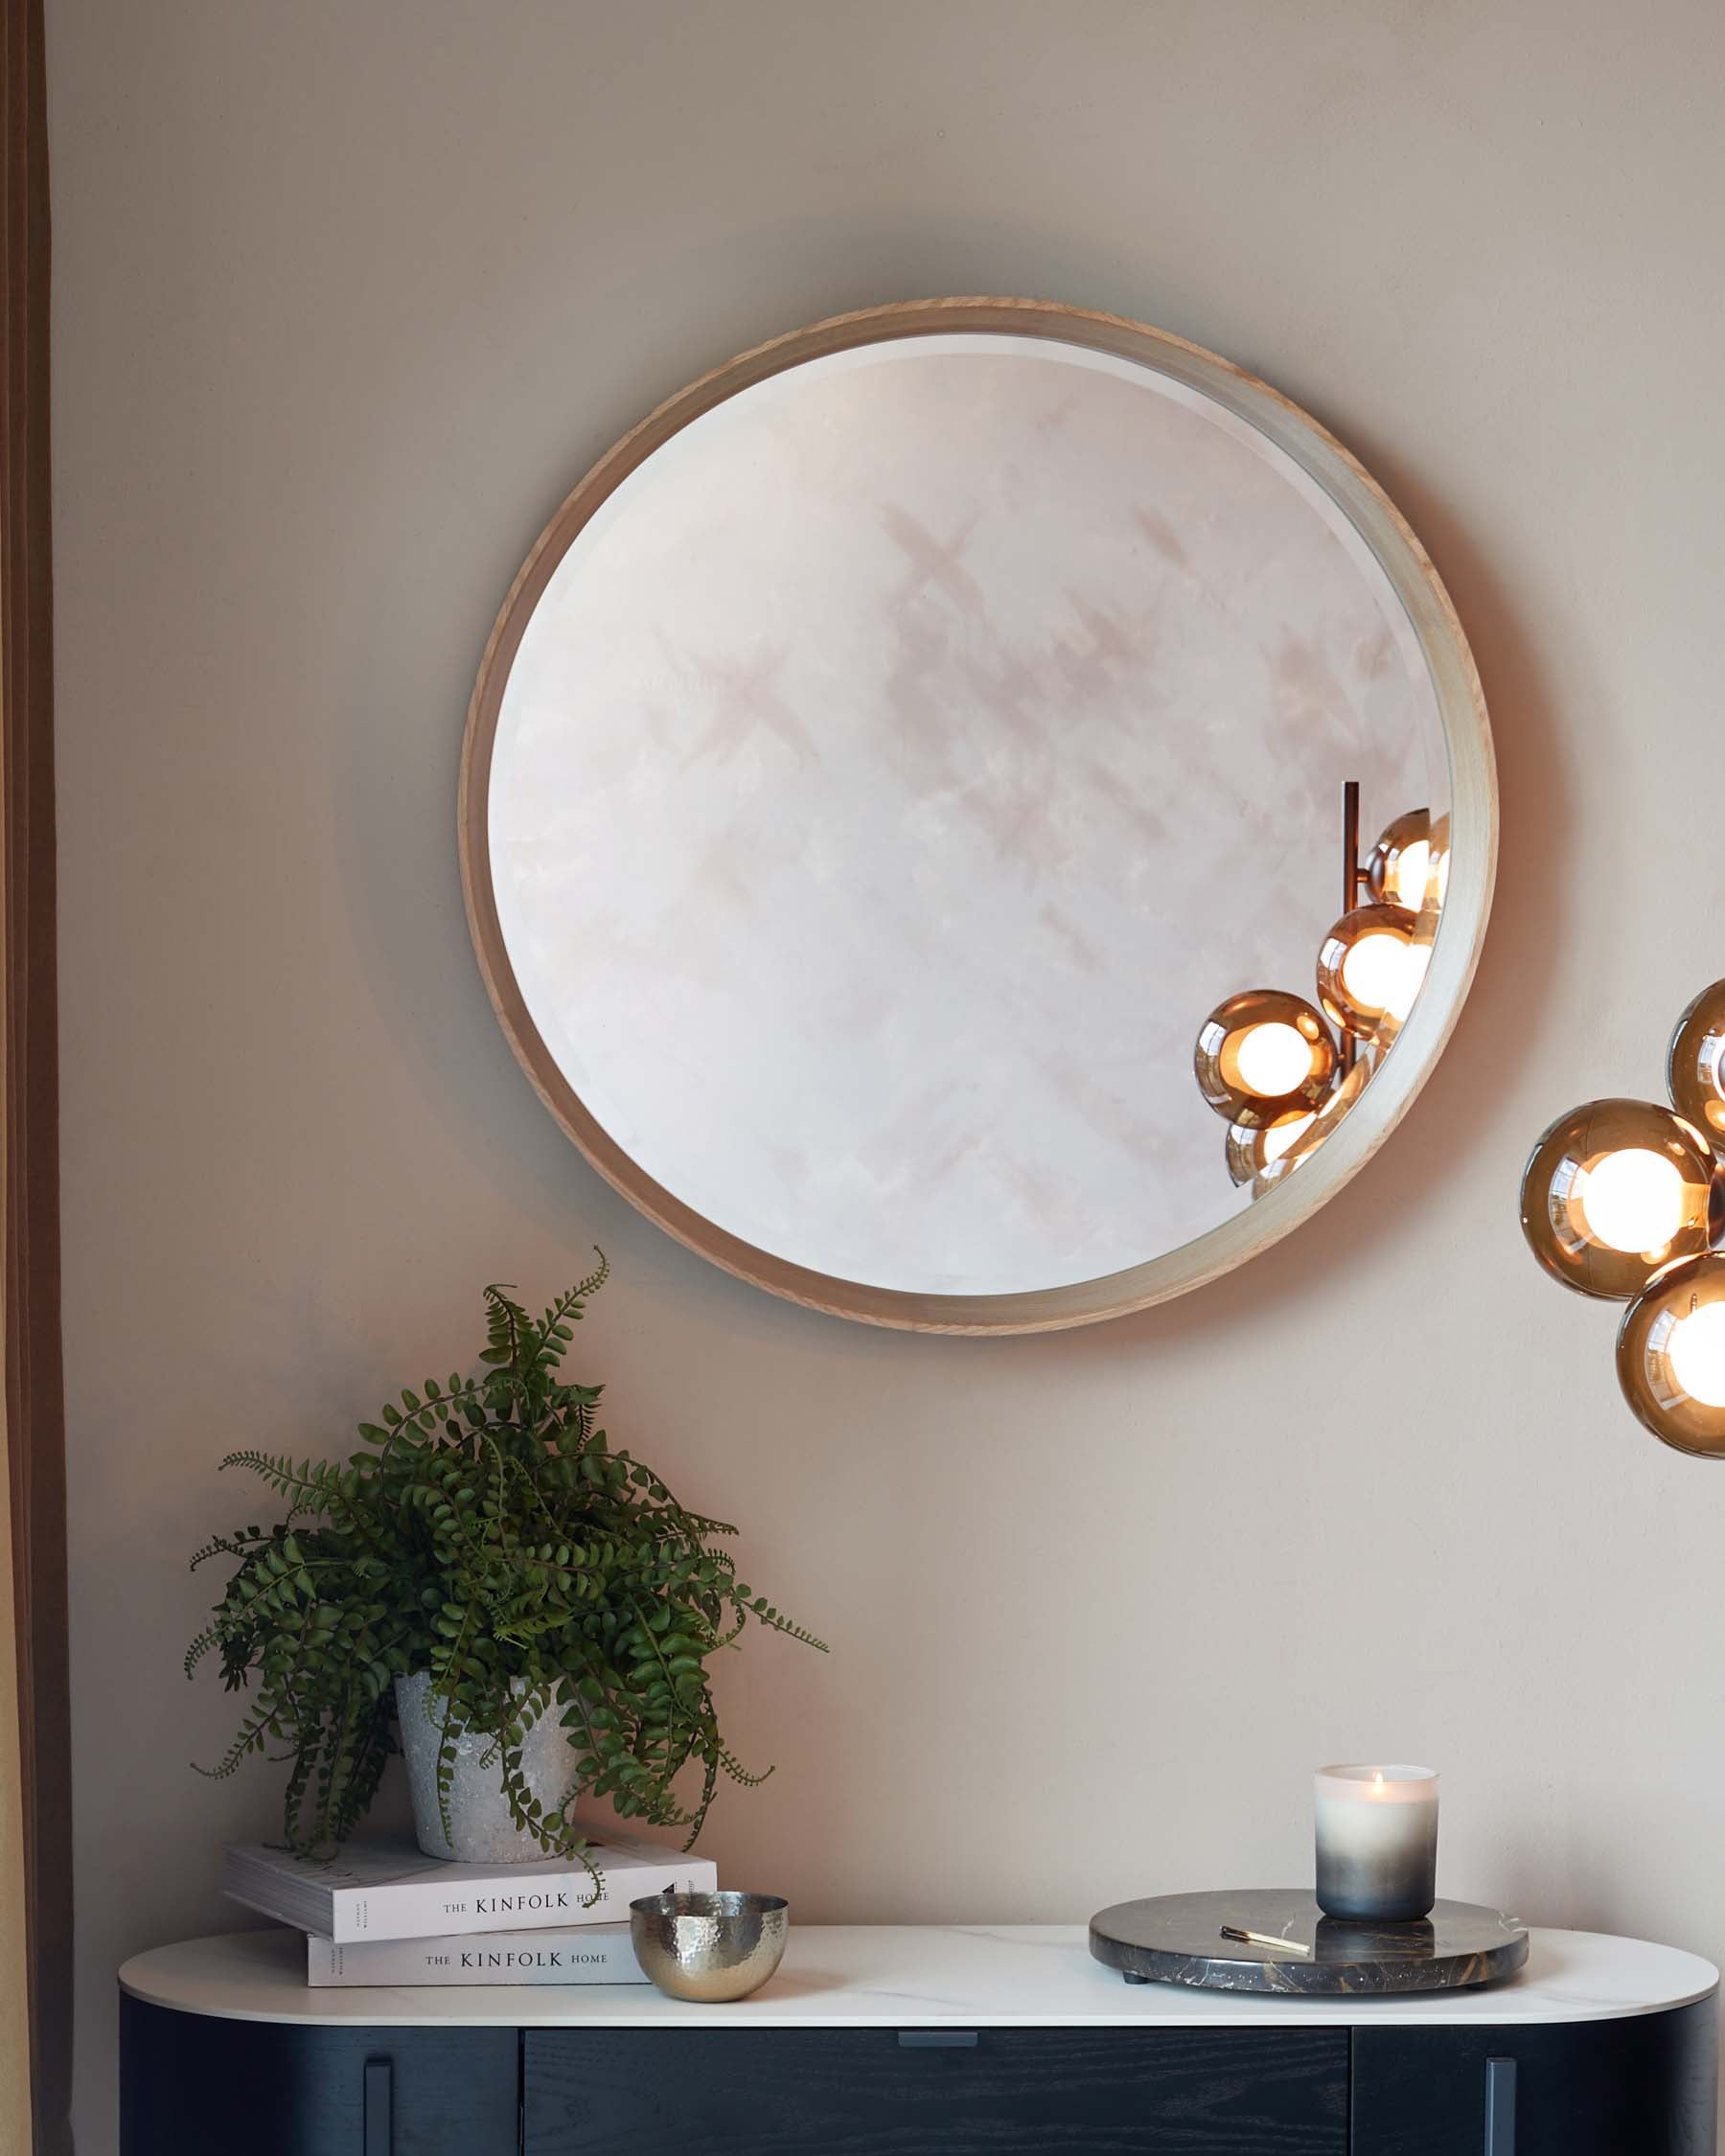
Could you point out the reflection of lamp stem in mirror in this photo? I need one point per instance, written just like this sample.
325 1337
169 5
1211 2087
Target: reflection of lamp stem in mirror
1350 888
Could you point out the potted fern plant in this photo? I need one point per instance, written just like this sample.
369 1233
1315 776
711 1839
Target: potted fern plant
532 1611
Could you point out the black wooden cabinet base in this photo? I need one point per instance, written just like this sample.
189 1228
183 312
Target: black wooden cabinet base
904 2042
869 2092
194 2086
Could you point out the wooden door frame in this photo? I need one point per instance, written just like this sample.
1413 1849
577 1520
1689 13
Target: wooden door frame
34 1408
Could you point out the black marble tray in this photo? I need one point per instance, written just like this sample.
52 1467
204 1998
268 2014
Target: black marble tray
1177 1939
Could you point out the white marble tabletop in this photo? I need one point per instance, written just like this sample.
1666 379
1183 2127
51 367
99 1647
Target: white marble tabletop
867 1975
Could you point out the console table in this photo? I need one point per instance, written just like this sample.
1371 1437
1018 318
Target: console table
881 2040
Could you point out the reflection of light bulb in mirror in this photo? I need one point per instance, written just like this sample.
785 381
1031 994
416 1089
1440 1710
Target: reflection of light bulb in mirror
1279 1137
1294 1139
1696 1349
1262 1054
1631 1200
1253 1152
1372 970
1408 867
1404 883
1364 967
1274 1060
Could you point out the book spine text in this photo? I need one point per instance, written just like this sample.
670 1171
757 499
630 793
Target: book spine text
555 1958
430 1911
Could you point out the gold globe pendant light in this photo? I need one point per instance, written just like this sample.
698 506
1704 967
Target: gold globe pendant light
1613 1191
1369 968
1254 1154
1671 1355
1263 1055
1626 1200
1408 867
1692 1068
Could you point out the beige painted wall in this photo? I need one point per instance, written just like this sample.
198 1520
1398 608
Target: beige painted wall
348 291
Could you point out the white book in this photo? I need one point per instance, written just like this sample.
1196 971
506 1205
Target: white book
583 1953
386 1887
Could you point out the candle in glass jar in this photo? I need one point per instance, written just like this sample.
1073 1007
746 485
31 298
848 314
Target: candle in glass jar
1377 1841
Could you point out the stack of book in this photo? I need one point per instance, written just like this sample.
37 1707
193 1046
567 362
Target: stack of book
383 1912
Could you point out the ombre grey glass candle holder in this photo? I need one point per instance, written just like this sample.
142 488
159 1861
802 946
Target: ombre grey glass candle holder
1377 1843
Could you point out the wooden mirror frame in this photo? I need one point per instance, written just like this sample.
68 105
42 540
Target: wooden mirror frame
1473 818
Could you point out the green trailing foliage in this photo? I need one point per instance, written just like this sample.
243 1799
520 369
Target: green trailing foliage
486 1531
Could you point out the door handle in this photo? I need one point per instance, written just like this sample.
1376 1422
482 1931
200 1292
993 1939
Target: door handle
1500 2107
379 2103
937 2039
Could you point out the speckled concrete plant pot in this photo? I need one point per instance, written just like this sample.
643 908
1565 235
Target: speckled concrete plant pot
481 1828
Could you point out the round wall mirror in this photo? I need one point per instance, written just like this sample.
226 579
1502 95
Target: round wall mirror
977 816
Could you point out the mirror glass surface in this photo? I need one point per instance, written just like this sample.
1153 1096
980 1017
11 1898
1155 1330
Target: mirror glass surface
900 763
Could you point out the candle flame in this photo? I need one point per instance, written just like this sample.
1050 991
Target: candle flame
1377 1779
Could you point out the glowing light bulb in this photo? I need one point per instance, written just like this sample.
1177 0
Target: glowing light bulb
1273 1059
1376 972
1289 1131
1696 1353
1408 878
1632 1200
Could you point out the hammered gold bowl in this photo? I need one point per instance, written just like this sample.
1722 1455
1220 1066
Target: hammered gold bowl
709 1948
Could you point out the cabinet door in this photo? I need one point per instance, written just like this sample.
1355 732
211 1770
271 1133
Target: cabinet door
1641 2087
882 2092
192 2085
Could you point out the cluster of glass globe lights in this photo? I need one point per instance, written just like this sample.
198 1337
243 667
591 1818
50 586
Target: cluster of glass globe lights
1280 1073
1626 1200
